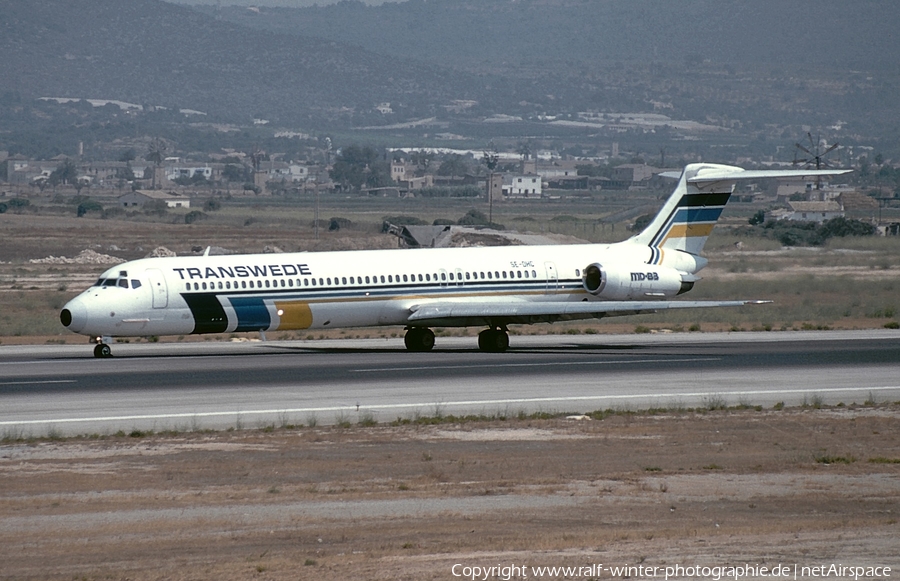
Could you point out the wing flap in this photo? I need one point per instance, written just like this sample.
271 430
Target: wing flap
470 310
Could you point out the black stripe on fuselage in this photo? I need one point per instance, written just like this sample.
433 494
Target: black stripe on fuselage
209 316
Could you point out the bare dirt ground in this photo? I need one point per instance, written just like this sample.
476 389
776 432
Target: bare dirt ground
801 487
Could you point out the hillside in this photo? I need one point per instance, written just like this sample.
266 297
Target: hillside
818 63
153 52
819 34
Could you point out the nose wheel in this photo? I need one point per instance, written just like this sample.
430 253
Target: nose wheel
102 351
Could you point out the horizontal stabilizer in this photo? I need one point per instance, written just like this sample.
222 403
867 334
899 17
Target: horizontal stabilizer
718 174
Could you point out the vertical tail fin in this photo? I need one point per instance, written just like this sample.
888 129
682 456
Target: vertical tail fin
688 216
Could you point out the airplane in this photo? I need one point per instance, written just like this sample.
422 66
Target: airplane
491 287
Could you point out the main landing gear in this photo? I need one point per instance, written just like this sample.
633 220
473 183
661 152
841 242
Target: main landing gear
493 340
489 340
419 339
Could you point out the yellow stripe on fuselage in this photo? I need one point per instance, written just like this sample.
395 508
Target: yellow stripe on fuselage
294 315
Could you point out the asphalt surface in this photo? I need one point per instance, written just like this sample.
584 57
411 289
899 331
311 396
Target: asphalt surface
63 390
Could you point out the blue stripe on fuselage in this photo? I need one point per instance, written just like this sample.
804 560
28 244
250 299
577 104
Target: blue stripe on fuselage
252 313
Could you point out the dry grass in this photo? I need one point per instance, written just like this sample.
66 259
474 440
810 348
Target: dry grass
407 502
850 284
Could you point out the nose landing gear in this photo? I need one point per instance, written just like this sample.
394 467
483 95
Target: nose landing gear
102 350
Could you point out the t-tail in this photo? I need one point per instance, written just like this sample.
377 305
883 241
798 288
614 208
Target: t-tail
680 229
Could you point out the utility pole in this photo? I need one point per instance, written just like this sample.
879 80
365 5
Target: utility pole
491 160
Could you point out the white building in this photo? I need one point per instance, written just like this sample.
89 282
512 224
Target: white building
810 211
175 172
138 198
522 186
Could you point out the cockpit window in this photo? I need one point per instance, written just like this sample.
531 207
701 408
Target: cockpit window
110 282
135 283
123 283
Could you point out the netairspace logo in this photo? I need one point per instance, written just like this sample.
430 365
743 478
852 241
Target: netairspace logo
676 572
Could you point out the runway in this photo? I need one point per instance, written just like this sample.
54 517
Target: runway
62 390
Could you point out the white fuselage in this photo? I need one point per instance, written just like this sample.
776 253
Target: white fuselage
314 290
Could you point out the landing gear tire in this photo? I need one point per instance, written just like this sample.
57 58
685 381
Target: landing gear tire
493 341
419 339
102 351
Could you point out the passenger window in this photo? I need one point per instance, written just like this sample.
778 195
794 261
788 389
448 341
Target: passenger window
420 278
291 282
305 282
577 272
367 280
328 280
390 278
519 274
188 286
243 284
314 282
496 274
204 286
321 282
489 274
443 276
405 279
282 283
533 274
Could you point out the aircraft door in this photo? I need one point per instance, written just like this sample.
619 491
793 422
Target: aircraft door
158 288
552 277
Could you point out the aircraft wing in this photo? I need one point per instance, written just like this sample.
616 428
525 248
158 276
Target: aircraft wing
521 310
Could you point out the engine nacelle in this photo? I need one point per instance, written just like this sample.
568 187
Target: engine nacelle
637 282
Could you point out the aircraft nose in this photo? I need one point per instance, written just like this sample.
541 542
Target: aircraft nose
74 316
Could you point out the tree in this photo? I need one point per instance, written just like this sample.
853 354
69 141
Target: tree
88 206
65 173
454 165
235 173
357 166
156 154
